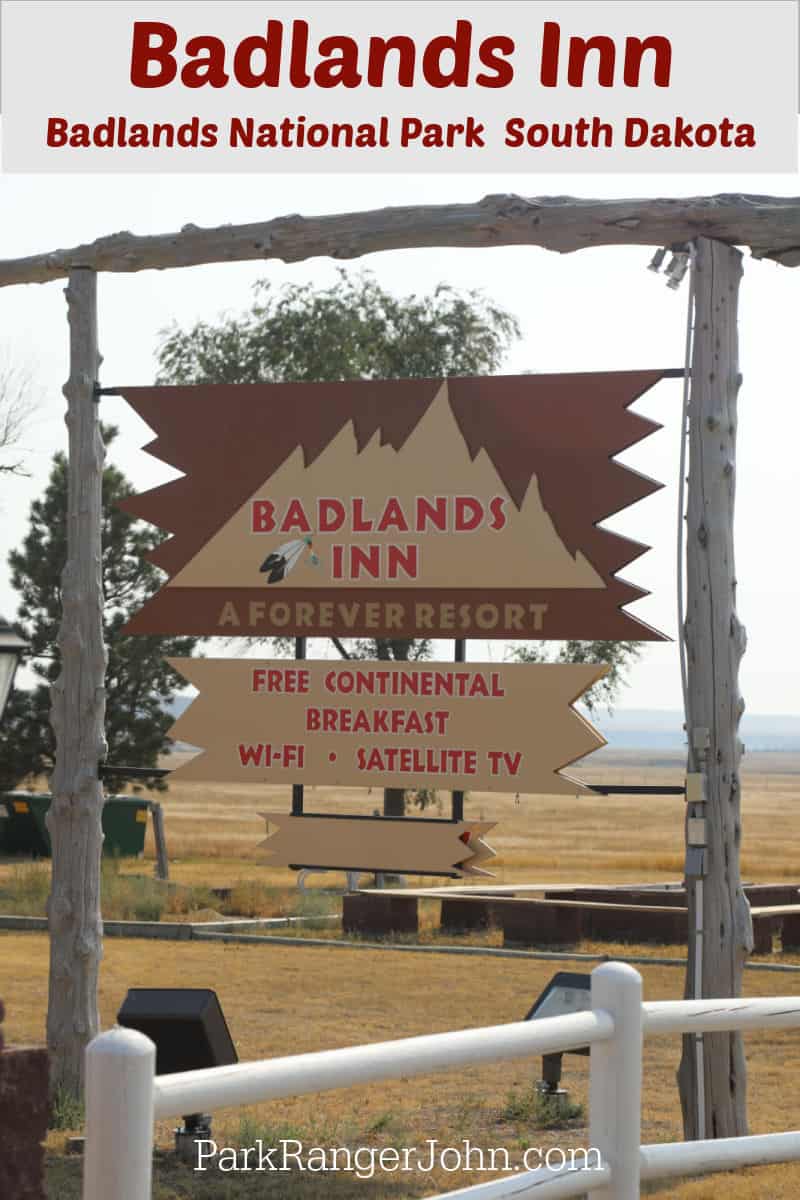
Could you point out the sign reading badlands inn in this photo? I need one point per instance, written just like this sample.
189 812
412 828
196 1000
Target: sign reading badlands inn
457 508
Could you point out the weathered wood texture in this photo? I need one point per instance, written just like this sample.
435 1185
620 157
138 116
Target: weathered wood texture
78 715
160 837
768 225
372 913
715 642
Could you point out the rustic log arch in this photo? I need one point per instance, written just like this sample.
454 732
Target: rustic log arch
768 226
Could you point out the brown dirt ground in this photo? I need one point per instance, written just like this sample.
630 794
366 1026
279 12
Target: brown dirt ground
282 1000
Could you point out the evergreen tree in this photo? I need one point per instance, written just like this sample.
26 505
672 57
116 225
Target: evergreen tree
138 681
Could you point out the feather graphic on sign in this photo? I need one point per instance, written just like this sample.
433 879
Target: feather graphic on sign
277 565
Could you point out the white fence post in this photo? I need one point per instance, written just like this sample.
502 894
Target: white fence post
615 1080
118 1155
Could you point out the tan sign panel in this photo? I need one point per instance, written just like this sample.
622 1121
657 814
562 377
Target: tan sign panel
400 508
477 726
412 847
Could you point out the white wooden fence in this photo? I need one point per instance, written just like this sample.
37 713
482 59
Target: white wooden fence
124 1097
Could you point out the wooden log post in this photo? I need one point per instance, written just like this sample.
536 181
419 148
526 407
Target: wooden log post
160 838
715 642
78 716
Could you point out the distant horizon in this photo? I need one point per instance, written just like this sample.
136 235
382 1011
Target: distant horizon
665 715
654 729
662 729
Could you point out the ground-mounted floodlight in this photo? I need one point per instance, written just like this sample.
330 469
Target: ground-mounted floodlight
567 992
190 1032
12 648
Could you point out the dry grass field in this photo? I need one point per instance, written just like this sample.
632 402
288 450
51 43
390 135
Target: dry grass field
213 832
290 999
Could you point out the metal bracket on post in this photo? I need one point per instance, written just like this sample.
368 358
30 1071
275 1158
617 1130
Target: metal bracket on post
696 825
695 865
297 788
457 811
696 832
695 788
701 738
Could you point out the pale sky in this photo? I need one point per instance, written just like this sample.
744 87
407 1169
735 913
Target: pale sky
594 310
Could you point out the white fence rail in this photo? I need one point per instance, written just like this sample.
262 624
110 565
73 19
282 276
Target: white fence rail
124 1096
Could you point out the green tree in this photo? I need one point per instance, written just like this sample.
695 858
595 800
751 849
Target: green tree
353 329
619 656
138 681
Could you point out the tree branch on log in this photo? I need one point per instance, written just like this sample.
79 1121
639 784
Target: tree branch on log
768 225
17 406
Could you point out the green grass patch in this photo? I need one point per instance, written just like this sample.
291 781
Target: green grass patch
127 897
528 1106
24 892
67 1112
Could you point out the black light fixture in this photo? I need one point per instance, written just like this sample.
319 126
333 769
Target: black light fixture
567 992
190 1033
12 648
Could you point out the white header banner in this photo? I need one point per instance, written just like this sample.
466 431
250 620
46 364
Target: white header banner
512 87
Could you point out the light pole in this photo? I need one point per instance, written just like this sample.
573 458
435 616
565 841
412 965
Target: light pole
12 648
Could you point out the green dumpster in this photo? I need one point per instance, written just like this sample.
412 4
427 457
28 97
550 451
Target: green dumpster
20 829
124 826
24 830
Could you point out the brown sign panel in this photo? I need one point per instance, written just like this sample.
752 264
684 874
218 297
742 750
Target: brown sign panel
504 728
412 847
398 508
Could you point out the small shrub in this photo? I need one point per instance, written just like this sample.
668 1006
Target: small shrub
67 1111
382 1123
250 898
148 908
183 900
130 897
532 1107
251 1131
25 891
313 905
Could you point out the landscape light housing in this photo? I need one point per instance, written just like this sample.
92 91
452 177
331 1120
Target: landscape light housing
567 992
190 1033
186 1024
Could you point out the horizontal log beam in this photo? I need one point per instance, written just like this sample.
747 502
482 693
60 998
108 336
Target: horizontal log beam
768 225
